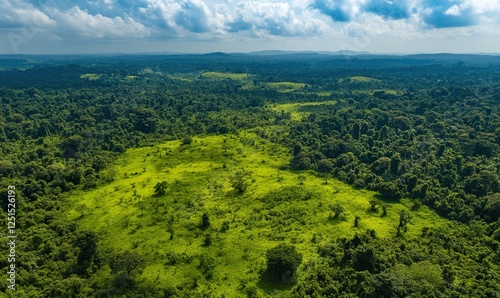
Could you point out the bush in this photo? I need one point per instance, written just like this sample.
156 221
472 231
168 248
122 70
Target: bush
240 180
205 221
282 262
389 190
187 141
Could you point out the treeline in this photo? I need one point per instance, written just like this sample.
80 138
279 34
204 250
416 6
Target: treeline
438 264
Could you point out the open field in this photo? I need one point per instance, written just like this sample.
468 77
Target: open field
224 75
285 86
90 76
275 208
362 79
299 110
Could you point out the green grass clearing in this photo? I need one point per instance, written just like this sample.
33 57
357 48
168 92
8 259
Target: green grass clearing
259 219
362 79
90 76
224 75
286 86
299 110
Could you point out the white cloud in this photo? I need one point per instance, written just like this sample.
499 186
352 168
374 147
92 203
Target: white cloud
266 18
78 21
453 11
20 14
356 22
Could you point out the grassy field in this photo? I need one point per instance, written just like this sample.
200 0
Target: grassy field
276 208
224 75
90 76
299 110
362 79
285 86
371 91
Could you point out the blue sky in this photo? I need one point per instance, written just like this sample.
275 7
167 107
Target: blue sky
379 26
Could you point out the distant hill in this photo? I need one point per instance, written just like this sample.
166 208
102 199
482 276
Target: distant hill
278 53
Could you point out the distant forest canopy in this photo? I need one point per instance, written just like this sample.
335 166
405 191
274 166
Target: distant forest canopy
311 68
424 127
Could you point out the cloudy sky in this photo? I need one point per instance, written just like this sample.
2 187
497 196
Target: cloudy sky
379 26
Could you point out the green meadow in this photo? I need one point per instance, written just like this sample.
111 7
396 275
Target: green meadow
363 79
90 76
299 110
285 86
224 75
279 206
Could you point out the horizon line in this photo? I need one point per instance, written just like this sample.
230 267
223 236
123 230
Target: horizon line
320 52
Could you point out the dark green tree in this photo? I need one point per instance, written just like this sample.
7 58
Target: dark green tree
373 205
357 219
389 190
404 219
160 188
394 165
240 180
412 183
87 243
205 221
127 263
337 210
282 262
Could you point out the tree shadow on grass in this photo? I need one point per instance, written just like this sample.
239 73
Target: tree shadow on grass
269 285
386 200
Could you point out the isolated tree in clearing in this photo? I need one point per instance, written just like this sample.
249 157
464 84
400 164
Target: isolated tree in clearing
282 262
205 220
160 188
337 209
240 180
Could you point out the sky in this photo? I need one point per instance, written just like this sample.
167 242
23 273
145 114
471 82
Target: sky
202 26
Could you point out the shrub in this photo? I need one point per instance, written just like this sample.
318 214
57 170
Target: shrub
389 190
282 262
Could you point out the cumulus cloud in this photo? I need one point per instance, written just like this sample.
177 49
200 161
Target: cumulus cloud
18 14
273 18
238 19
99 26
194 16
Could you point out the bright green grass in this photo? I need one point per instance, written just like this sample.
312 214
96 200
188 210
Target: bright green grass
90 76
299 110
198 182
362 79
224 75
285 86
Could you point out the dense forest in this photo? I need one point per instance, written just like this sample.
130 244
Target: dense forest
420 130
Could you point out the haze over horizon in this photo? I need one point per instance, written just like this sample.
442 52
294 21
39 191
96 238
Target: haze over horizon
201 26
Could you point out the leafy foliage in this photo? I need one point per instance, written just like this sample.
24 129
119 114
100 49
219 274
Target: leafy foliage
282 262
241 180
